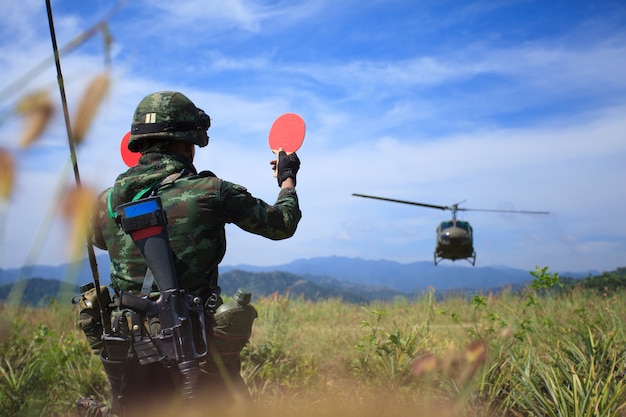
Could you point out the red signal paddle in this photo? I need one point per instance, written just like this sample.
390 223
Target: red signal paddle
287 134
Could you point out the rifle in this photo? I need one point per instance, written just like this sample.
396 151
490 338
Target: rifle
181 341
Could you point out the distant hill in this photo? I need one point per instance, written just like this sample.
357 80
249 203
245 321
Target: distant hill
76 272
353 279
408 278
268 283
39 292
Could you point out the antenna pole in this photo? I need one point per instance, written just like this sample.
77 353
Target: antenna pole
92 256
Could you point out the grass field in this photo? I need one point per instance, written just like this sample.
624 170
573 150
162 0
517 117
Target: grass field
529 354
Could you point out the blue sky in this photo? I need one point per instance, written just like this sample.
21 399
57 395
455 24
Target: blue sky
501 104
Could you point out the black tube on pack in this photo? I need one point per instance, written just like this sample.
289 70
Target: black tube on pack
146 221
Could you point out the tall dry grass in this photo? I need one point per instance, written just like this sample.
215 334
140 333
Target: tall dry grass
493 356
487 356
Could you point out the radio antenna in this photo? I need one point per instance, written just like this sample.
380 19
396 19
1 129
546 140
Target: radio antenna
90 251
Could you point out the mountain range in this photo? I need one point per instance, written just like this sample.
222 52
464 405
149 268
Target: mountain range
353 279
407 278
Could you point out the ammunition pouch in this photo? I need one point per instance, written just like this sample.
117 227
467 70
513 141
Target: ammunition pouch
131 336
128 336
89 318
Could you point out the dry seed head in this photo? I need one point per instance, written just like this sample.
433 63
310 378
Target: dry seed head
7 174
476 352
38 109
94 94
424 365
458 365
77 207
475 358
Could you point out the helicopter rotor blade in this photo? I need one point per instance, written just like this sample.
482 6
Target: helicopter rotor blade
505 211
403 201
454 207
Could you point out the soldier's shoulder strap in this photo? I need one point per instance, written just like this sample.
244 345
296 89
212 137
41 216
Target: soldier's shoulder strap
150 190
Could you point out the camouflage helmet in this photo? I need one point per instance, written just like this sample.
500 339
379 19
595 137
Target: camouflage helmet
168 115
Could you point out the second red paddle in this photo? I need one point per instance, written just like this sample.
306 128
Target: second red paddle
130 158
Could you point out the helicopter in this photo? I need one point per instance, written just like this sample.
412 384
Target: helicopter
455 238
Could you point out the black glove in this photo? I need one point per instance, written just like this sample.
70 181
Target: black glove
288 166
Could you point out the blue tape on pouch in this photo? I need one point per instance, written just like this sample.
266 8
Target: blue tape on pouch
139 209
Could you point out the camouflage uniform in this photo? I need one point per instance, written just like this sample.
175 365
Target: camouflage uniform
198 206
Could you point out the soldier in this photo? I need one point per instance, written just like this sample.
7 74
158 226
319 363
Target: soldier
165 129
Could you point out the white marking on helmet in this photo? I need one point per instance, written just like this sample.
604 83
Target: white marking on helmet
150 118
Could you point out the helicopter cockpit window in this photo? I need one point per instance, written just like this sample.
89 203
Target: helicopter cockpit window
463 225
445 225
